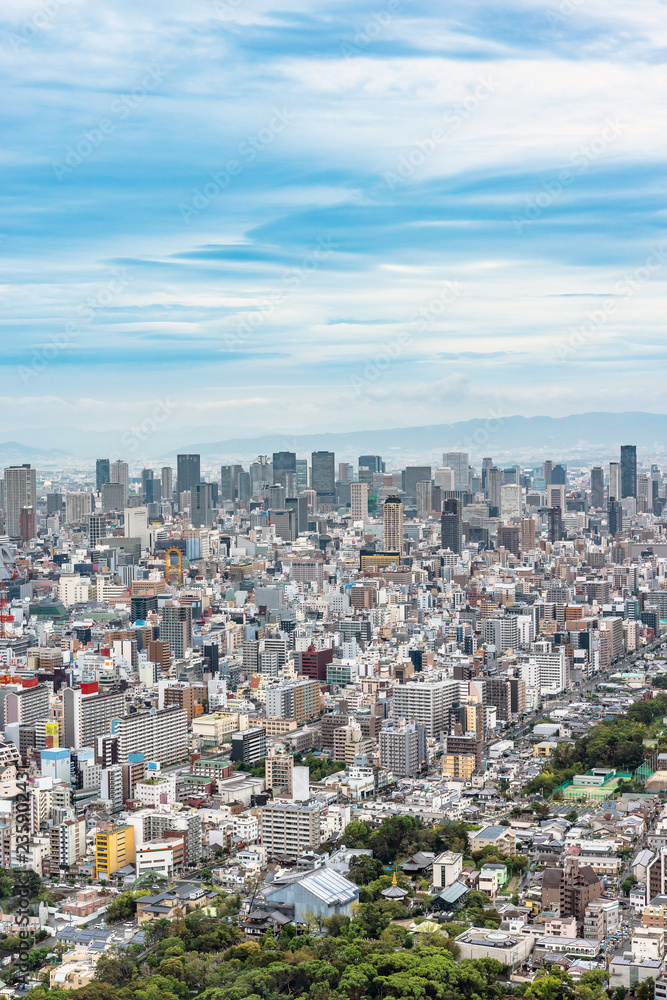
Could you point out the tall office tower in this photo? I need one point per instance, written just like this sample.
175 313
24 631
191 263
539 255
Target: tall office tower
201 505
300 507
628 471
261 474
415 474
424 498
487 463
527 534
77 505
555 524
229 481
167 487
20 492
427 703
457 461
493 488
244 487
102 471
113 496
392 518
359 501
135 523
119 472
147 476
614 480
188 472
510 501
615 516
283 461
546 471
323 476
97 529
291 484
597 486
345 472
444 478
644 492
276 497
450 526
372 462
559 475
301 474
176 628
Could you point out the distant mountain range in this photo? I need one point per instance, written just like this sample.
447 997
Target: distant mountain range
585 437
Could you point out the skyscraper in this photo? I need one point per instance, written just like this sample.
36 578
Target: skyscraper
323 476
392 517
558 475
283 461
119 472
201 505
20 492
450 526
597 486
493 488
101 472
424 498
167 482
614 480
147 476
188 472
415 474
359 501
457 461
615 516
628 471
301 474
372 462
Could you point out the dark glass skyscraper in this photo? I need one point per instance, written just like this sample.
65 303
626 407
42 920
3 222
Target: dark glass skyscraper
628 471
615 516
101 472
597 486
283 462
323 476
450 526
415 474
372 462
188 472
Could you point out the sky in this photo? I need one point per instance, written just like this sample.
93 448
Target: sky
247 218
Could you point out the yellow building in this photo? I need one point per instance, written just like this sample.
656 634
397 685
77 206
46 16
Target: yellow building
544 749
459 765
113 850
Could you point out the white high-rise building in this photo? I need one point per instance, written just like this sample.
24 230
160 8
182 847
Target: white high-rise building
457 461
615 480
510 502
20 491
136 524
444 478
392 517
426 703
161 735
556 497
359 501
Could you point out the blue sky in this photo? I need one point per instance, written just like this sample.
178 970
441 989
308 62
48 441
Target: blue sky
330 216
